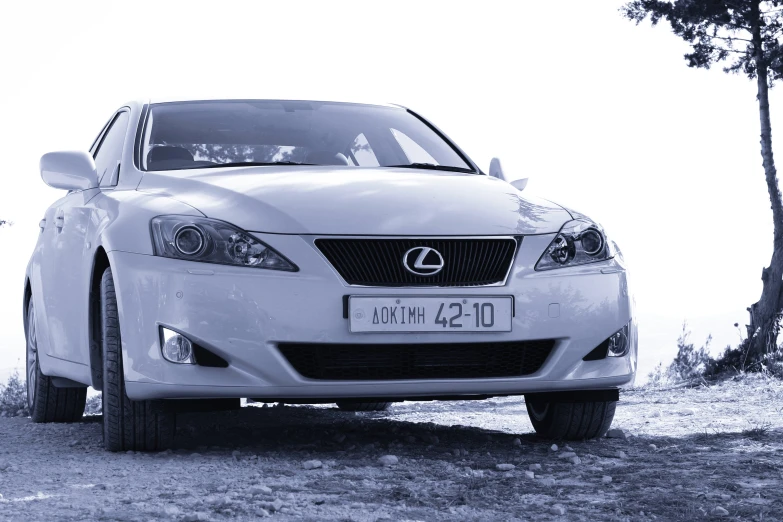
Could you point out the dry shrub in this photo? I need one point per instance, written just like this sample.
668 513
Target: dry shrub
690 364
13 397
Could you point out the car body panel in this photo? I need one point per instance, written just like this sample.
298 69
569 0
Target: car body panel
381 201
65 238
234 97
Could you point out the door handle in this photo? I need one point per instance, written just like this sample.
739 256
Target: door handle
59 221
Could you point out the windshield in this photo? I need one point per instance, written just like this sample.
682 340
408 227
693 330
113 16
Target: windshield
204 134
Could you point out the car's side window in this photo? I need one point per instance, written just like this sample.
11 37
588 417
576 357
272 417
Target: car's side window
361 154
109 152
414 152
97 139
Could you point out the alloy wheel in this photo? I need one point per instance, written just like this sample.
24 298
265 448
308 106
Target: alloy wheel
32 356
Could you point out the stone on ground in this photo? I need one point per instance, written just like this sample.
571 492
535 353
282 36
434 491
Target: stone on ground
504 467
312 464
615 433
388 460
196 517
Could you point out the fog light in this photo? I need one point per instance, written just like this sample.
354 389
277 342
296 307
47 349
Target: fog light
175 347
618 343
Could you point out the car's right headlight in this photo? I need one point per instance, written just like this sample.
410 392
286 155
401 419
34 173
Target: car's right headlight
579 242
213 241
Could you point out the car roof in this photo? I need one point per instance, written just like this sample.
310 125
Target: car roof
169 99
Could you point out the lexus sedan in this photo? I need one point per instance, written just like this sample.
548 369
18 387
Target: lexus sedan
312 252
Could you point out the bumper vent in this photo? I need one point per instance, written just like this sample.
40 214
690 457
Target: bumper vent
382 362
379 262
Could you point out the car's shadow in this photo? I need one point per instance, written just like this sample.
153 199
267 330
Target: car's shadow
326 429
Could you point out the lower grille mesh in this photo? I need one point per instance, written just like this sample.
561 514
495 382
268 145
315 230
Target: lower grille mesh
378 362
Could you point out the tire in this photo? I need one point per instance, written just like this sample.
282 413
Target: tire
363 406
46 402
571 421
127 425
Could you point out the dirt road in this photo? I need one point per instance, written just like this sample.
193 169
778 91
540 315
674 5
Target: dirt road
692 454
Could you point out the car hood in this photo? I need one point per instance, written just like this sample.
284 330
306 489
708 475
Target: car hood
361 201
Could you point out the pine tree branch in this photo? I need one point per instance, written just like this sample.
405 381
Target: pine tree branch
731 38
745 28
737 7
722 49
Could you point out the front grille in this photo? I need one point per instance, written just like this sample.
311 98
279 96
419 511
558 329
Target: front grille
379 262
383 362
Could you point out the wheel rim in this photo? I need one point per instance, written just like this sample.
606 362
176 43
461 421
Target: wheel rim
32 356
539 410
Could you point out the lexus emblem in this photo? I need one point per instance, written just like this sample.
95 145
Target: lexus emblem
422 261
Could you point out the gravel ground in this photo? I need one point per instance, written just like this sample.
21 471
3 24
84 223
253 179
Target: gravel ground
682 454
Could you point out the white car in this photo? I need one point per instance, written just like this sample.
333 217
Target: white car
312 252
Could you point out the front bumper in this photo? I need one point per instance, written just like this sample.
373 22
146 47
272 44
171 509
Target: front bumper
241 314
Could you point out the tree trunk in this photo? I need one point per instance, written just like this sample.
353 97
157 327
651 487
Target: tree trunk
765 315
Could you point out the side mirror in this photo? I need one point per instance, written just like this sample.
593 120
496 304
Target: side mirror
69 170
495 170
520 184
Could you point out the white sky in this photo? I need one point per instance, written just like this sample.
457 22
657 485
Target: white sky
603 116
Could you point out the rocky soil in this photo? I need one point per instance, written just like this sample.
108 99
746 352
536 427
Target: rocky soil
679 454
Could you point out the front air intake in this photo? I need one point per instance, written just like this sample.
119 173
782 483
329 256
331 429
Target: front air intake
381 362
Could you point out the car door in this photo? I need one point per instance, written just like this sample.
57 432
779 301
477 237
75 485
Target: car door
66 257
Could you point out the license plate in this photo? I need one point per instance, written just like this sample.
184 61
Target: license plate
429 314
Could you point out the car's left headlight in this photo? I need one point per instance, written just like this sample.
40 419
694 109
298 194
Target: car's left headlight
579 242
213 241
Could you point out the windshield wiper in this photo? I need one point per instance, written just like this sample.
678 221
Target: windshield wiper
430 166
251 164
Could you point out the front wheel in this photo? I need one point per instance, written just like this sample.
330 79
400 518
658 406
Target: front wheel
570 421
48 403
127 425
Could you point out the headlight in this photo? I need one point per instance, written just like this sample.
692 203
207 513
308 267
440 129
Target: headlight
579 242
213 241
